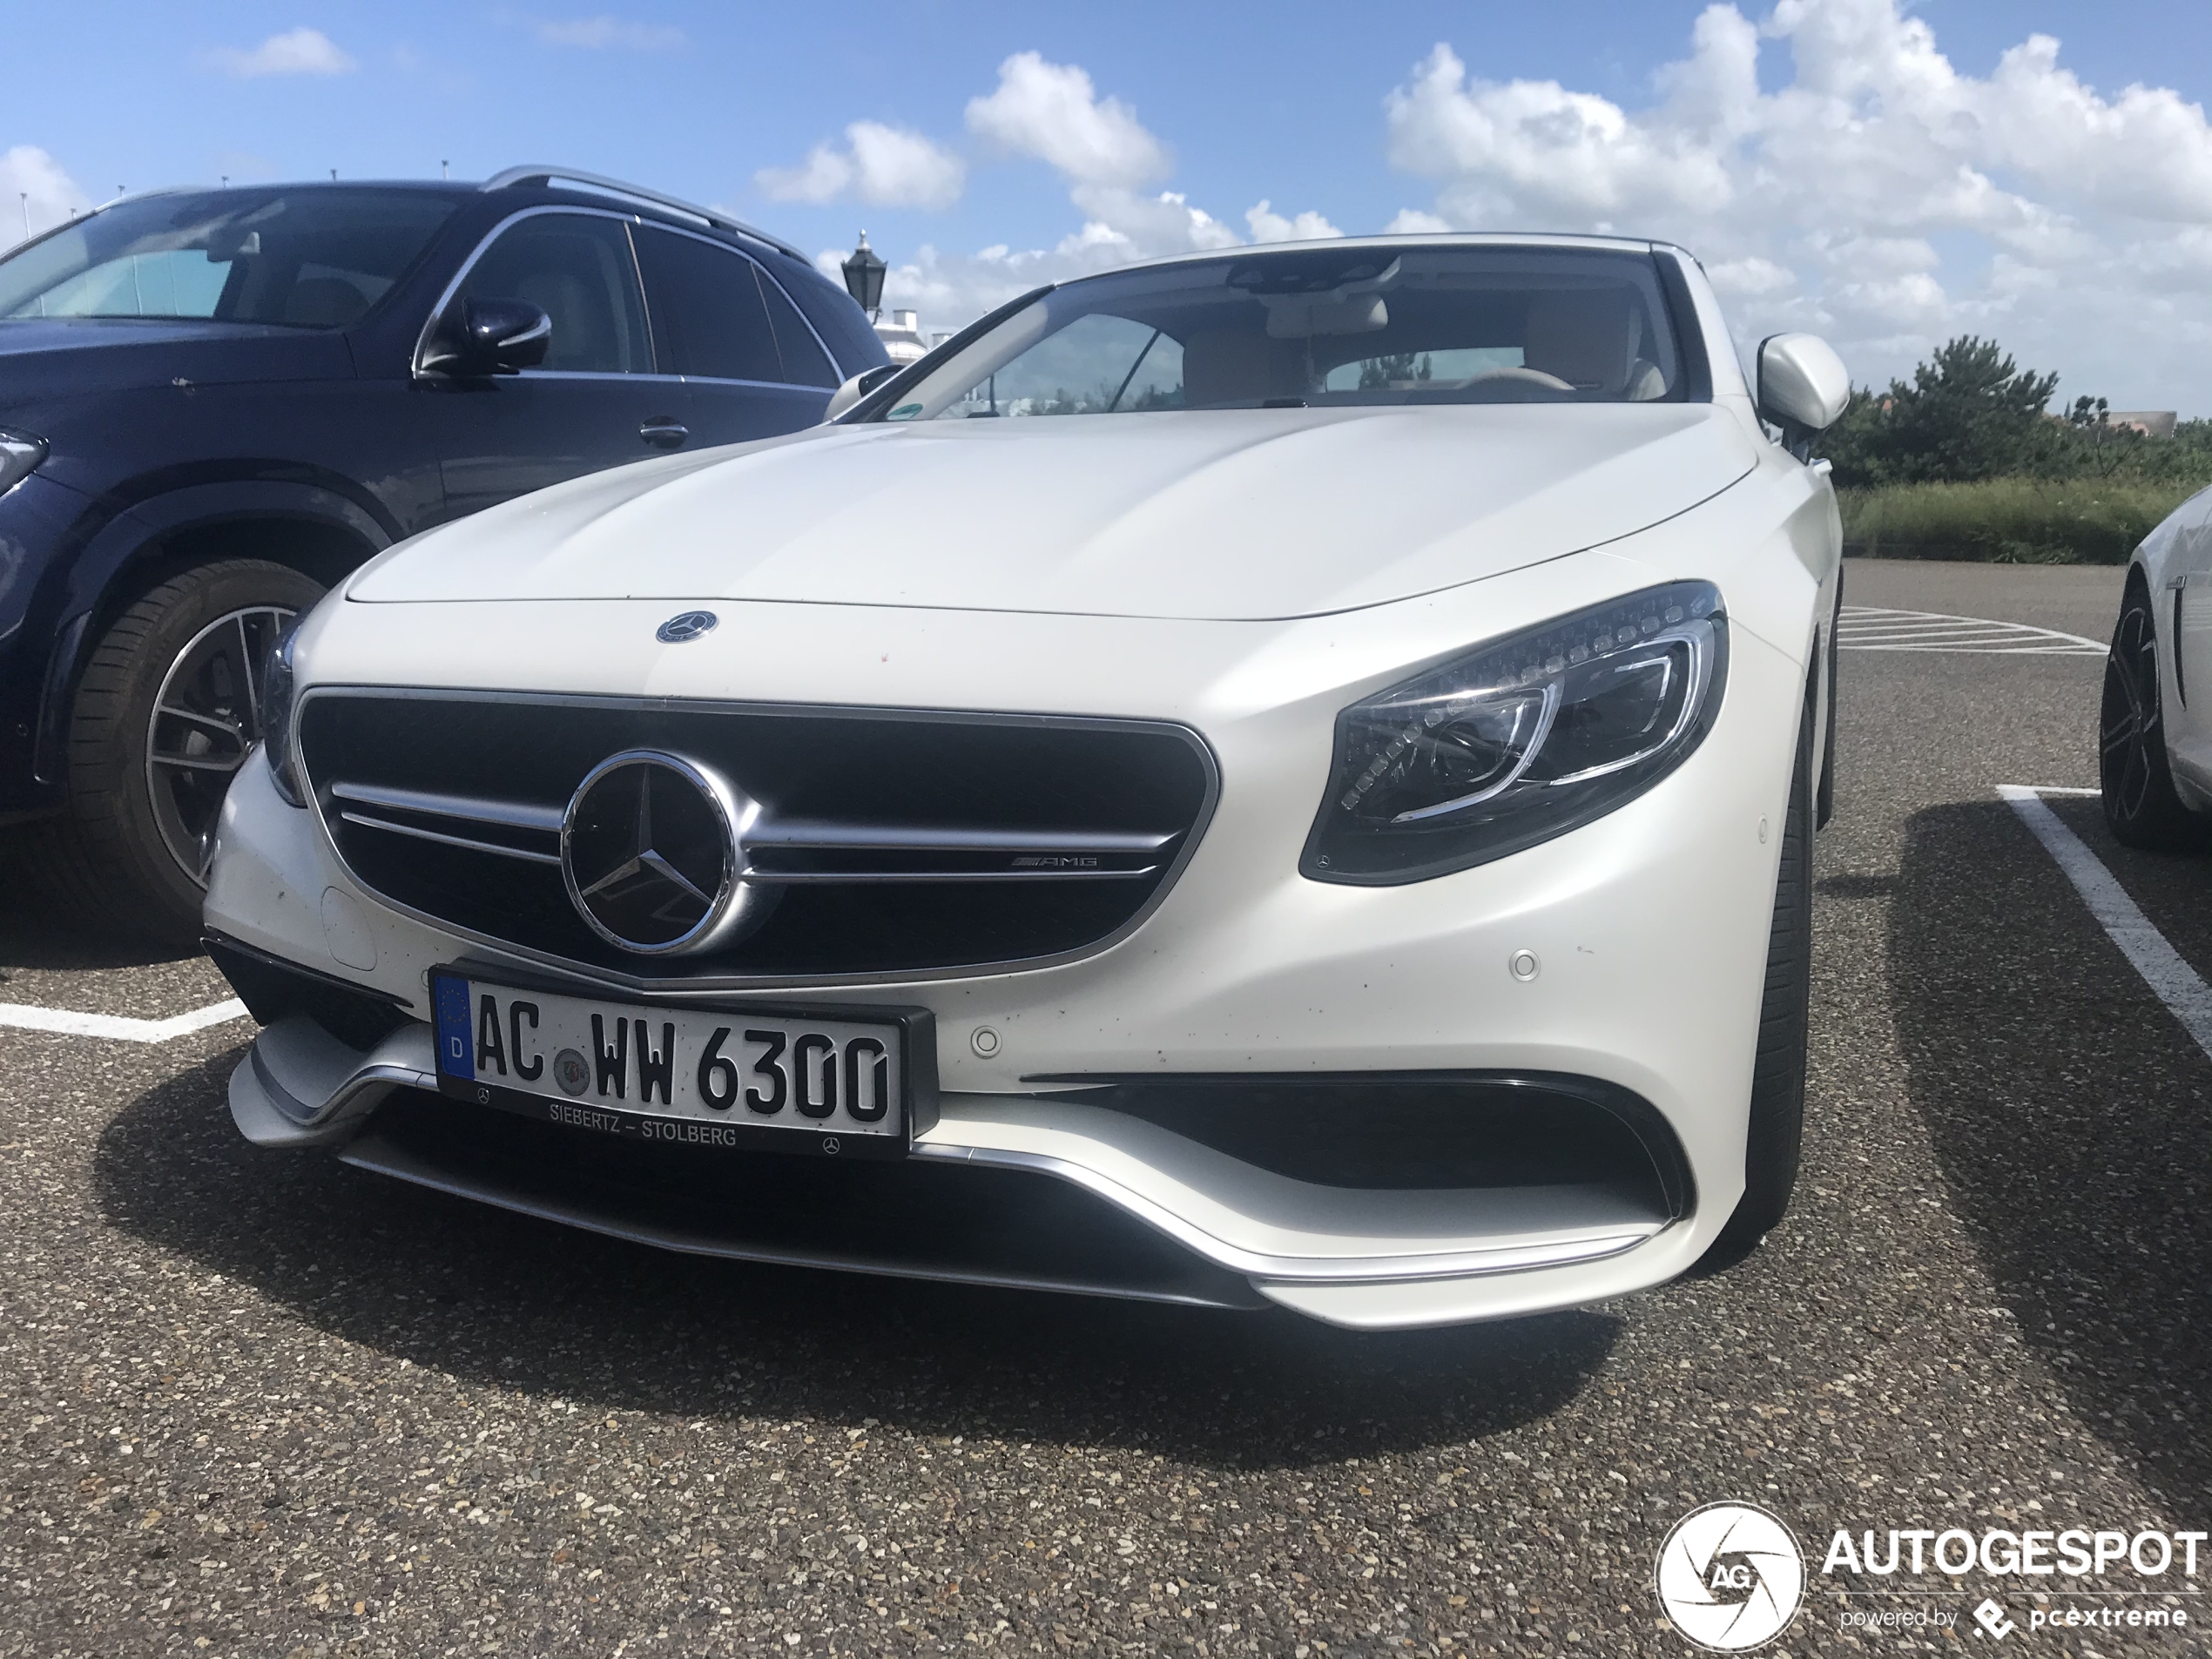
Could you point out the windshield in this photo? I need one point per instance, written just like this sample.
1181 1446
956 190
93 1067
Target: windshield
1321 328
303 258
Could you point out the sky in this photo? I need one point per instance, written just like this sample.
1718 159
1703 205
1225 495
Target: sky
1885 174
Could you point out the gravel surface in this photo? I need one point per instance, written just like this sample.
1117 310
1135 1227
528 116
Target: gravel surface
260 1404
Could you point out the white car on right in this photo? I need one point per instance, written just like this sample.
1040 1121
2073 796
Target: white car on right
2155 730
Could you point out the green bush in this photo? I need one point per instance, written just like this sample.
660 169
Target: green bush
1964 461
2014 520
1970 414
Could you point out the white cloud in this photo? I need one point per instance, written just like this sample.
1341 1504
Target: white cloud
824 176
298 51
1752 276
886 165
1045 111
33 187
1412 221
1119 225
1877 192
1267 226
599 34
1051 111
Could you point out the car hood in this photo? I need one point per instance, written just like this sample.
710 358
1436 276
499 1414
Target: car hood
1207 514
45 358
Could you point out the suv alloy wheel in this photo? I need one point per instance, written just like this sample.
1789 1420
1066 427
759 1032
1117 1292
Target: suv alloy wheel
166 712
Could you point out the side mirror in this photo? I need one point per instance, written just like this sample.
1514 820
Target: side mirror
856 388
490 337
1804 386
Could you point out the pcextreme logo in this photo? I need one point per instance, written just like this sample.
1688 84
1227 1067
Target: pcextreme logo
1730 1577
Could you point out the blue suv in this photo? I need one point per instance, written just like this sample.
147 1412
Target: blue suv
213 404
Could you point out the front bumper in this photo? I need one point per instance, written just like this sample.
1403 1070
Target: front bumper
1648 929
1353 1255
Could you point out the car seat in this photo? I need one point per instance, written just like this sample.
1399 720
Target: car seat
1235 365
323 302
1588 338
583 330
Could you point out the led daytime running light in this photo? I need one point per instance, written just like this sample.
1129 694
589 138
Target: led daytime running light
1521 740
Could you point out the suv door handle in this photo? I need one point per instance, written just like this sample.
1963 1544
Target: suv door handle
663 434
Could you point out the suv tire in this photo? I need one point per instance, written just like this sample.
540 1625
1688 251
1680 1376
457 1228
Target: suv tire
144 792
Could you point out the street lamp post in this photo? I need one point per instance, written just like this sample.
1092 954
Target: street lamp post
864 277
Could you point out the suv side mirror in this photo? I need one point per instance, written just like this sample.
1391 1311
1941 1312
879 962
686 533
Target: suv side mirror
1803 388
856 388
490 337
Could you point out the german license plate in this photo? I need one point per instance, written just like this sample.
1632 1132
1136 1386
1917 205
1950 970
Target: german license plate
759 1078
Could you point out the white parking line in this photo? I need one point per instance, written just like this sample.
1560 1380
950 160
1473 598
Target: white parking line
25 1016
2177 984
1876 628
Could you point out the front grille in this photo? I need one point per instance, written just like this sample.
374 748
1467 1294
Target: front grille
890 843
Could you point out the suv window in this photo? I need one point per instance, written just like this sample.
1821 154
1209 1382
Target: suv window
313 257
577 269
709 318
803 363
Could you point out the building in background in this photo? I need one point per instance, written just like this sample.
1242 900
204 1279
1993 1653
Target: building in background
2152 423
900 332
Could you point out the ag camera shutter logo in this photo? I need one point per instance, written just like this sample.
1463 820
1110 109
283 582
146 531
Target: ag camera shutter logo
1730 1577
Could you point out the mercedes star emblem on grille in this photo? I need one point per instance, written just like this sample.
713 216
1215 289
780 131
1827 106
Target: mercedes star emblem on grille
690 625
653 853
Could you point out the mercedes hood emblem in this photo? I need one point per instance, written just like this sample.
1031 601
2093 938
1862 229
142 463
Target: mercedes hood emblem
690 625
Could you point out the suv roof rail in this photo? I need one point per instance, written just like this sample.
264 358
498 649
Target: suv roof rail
542 176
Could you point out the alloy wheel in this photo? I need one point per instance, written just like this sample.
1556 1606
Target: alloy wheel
207 720
2131 726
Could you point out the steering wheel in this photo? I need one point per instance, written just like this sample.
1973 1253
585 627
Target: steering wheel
1525 376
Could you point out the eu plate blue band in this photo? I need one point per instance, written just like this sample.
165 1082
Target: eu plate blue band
456 1032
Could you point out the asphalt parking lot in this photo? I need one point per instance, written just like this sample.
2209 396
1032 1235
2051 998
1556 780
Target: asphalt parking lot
254 1403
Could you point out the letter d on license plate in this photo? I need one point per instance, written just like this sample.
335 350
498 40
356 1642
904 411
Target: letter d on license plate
840 1081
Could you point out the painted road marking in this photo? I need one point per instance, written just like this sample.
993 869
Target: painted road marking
1873 628
25 1016
2177 984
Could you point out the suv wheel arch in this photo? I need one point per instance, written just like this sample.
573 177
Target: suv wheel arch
319 533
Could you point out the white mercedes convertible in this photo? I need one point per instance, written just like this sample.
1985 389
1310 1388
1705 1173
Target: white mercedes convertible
1279 777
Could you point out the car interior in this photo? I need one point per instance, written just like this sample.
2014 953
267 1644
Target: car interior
1441 330
572 270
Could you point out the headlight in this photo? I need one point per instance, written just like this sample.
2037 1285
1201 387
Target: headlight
20 455
1525 740
278 687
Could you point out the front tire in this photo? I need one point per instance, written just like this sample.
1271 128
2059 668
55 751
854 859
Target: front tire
1777 1107
2134 775
166 711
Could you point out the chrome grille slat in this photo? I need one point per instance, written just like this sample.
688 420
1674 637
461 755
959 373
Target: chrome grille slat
900 837
517 814
863 877
796 835
420 834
